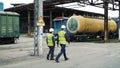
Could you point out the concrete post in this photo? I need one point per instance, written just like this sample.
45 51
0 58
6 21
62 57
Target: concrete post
38 30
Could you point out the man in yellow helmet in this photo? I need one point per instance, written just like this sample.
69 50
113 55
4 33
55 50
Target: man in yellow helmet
51 44
62 39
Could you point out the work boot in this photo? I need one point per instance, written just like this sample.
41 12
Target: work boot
66 59
56 61
52 59
47 57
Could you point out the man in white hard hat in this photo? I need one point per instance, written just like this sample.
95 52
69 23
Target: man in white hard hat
63 27
51 44
62 39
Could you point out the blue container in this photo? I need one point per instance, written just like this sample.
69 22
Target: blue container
1 6
58 22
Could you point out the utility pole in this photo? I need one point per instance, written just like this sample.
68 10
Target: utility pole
36 49
39 23
105 20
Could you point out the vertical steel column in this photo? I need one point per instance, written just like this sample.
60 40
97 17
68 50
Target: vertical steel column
29 30
105 20
51 19
119 23
62 14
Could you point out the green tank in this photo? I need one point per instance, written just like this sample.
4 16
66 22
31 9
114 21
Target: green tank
9 26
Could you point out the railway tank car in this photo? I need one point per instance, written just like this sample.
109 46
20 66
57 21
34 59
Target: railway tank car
82 28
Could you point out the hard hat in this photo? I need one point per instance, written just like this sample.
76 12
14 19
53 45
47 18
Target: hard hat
63 26
51 30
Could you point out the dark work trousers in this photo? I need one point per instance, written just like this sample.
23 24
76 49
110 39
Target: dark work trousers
50 53
63 51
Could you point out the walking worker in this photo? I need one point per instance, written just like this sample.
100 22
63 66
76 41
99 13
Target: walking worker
51 44
62 39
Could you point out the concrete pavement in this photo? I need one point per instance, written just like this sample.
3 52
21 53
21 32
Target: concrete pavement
82 55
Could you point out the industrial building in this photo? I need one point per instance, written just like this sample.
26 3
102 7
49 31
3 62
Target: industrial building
51 10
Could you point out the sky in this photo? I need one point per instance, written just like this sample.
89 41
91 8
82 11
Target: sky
7 3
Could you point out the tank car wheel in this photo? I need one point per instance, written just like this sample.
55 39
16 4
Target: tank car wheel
15 40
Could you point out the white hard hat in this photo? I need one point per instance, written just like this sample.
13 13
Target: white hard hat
63 26
51 30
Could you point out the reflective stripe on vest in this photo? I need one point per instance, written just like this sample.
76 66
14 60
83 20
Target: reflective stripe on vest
62 39
49 39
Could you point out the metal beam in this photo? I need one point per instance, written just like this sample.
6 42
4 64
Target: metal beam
105 20
29 30
119 23
50 18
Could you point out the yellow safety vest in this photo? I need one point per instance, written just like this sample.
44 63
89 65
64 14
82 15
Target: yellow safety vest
49 39
61 35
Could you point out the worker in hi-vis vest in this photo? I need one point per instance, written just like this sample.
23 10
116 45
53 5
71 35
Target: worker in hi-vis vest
62 39
51 44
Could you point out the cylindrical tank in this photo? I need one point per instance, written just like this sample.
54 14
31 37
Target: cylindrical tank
1 6
90 25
